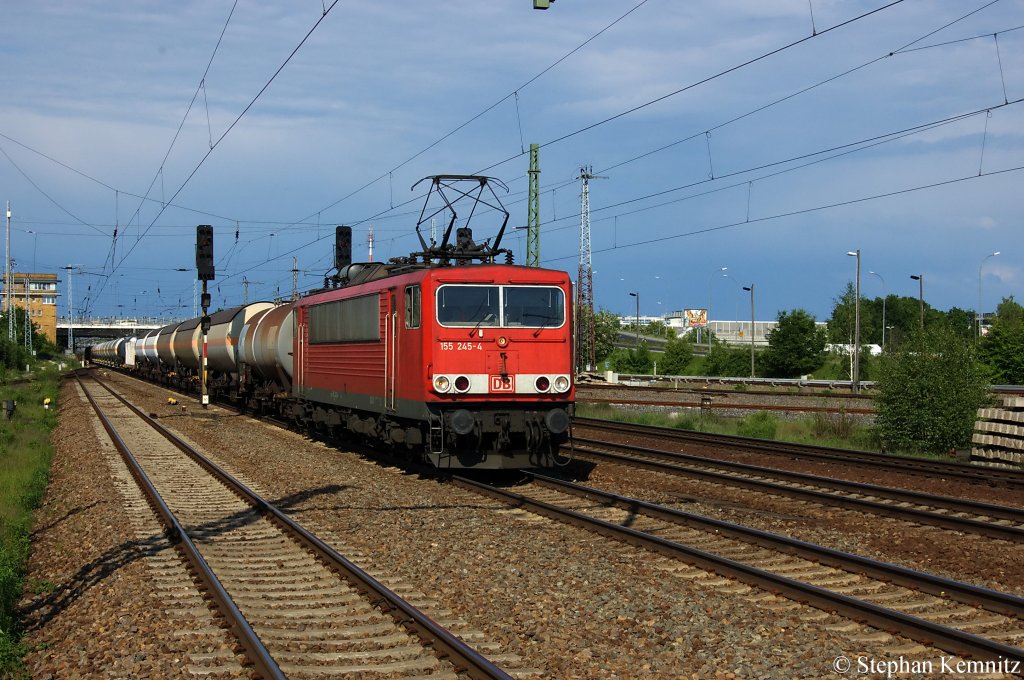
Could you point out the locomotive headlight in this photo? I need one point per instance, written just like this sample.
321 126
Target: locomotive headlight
442 383
542 383
461 383
503 342
561 384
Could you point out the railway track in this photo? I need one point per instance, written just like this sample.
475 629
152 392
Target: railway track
704 442
993 521
955 617
296 606
719 399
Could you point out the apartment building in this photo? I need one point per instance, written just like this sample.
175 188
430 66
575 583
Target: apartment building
41 300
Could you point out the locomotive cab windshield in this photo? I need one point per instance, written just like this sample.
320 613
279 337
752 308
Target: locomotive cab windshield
497 306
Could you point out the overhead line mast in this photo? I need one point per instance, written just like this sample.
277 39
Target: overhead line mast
533 210
586 333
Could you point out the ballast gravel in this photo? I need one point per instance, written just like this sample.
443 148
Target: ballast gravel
568 603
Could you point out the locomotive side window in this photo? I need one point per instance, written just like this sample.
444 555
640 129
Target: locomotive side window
533 306
355 320
412 307
473 306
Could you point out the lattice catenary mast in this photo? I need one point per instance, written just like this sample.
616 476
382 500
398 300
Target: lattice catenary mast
533 210
586 339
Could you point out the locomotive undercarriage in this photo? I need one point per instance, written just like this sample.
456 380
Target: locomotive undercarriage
486 438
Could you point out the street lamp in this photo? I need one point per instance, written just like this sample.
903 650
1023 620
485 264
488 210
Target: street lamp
35 242
885 294
980 314
637 296
736 306
711 279
856 327
920 295
751 289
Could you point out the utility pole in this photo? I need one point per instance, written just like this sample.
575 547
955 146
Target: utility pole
295 278
751 289
71 309
7 277
28 321
920 295
585 331
533 210
856 327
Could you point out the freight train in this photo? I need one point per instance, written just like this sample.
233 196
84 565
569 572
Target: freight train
447 354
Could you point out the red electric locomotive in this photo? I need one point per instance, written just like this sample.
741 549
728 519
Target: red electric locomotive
445 351
464 361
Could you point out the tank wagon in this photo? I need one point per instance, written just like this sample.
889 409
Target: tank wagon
463 361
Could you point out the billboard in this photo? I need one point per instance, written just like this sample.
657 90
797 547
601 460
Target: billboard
696 318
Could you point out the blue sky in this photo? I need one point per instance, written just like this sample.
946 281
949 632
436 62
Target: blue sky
749 170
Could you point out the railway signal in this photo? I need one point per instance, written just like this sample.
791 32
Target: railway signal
204 252
205 272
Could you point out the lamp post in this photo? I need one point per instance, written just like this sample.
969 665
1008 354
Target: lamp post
920 294
711 279
885 294
856 327
736 306
35 242
637 296
751 289
980 313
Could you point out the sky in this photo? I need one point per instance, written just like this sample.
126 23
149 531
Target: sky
738 143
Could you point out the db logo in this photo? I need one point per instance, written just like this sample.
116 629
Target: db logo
502 383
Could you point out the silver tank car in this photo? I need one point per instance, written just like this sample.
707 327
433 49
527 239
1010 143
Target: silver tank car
186 344
224 338
164 346
265 346
146 349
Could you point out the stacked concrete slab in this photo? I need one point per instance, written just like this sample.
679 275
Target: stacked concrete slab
999 432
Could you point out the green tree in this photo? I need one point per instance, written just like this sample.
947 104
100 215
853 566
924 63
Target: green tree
677 356
1002 349
796 346
840 325
606 332
726 361
637 360
641 360
929 391
961 322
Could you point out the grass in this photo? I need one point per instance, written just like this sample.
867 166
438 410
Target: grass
25 454
836 430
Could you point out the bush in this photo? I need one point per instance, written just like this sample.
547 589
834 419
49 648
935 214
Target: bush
760 425
929 392
833 425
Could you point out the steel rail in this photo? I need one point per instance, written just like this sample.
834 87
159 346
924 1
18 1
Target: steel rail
461 655
926 632
254 647
968 471
992 600
1010 533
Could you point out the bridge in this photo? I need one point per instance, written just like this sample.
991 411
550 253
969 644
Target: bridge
87 329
